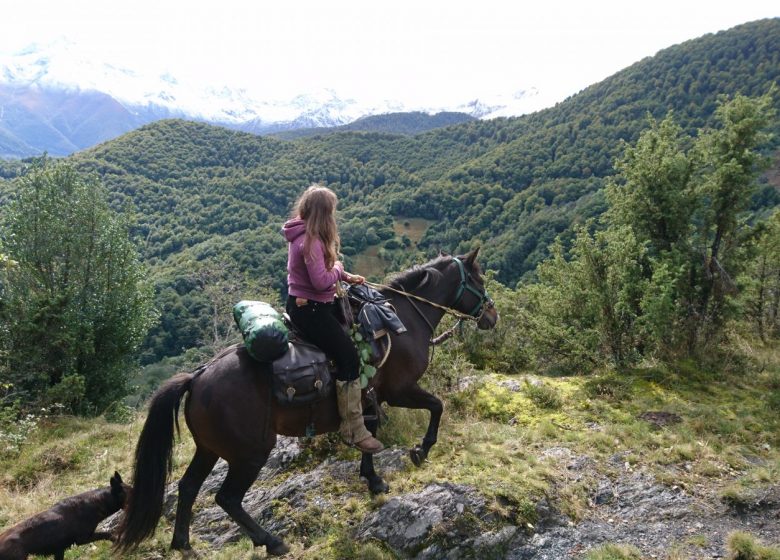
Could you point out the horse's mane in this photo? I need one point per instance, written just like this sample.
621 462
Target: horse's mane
415 276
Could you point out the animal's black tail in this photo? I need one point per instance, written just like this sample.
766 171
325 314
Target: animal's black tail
153 463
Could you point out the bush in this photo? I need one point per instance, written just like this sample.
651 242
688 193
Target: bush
119 413
505 348
68 393
15 427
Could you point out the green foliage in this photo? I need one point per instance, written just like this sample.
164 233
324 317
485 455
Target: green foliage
638 288
69 392
367 371
76 307
119 413
16 425
773 393
653 196
760 281
587 307
505 348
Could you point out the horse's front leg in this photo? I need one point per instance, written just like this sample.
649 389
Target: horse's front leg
419 398
375 483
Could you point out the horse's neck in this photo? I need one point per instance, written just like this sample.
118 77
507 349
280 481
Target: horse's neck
419 312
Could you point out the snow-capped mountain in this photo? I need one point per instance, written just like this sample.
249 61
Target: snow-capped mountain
61 98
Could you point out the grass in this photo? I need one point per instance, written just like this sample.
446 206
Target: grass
744 546
614 552
494 437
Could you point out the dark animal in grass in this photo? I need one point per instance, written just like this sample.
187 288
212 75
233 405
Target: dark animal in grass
71 521
230 413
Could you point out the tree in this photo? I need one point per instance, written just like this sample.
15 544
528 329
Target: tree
653 194
586 308
76 306
760 281
658 279
730 161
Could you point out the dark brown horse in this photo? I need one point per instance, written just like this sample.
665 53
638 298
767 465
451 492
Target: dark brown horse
231 414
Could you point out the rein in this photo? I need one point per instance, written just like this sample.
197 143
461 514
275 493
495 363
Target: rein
460 315
479 309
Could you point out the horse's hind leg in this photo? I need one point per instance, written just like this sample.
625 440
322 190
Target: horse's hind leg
239 478
189 486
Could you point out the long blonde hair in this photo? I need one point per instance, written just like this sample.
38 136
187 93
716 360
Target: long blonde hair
317 207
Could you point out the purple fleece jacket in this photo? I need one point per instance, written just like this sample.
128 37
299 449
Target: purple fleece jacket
308 277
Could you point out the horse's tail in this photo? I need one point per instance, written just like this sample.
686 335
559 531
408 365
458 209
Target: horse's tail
153 464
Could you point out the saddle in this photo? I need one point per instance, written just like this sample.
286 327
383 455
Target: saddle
302 373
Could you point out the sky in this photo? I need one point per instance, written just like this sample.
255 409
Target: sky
419 52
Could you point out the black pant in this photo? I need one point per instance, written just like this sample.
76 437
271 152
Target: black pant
318 324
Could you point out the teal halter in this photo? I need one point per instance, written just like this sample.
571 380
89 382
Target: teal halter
484 298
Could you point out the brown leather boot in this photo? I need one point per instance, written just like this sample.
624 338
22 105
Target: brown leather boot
352 427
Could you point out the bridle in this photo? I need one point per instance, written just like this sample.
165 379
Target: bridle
484 302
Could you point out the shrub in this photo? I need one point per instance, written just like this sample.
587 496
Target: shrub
69 393
119 413
15 427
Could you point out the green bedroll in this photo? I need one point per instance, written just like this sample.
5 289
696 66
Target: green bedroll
263 329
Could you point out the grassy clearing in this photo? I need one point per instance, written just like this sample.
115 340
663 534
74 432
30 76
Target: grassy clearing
497 435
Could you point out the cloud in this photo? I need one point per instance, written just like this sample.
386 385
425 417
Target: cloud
418 51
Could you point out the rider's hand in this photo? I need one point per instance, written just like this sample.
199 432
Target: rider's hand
355 279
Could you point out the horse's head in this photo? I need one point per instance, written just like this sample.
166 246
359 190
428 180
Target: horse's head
470 296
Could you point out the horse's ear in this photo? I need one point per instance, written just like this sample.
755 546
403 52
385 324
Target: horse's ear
443 253
471 258
116 481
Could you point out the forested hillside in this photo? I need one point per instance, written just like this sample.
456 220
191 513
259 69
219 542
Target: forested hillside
208 199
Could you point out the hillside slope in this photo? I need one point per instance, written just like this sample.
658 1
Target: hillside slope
669 460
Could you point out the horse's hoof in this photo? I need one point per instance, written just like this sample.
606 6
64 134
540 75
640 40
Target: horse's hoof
378 487
181 546
277 548
417 455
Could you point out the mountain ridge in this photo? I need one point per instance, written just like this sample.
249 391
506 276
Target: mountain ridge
63 74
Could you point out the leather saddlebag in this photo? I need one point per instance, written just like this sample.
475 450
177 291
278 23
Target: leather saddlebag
302 375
